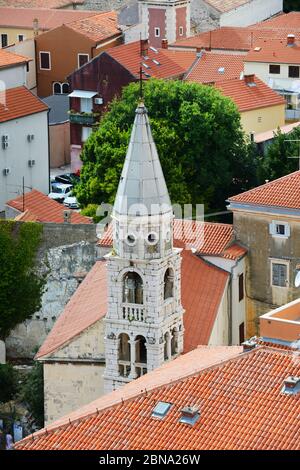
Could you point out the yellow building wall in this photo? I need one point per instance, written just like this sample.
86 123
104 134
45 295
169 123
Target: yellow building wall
263 119
13 33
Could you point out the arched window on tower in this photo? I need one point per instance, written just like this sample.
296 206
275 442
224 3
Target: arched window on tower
124 355
140 355
174 342
132 288
167 346
169 284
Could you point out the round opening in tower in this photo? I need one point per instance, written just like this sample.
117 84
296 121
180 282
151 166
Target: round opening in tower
152 238
131 239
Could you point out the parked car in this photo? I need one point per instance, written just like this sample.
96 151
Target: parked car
71 202
68 178
60 191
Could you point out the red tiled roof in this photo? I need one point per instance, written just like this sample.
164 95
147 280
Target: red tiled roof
248 97
283 192
204 238
45 209
274 51
40 3
170 63
86 307
97 27
48 18
284 21
19 102
240 402
9 59
232 38
226 5
211 67
202 289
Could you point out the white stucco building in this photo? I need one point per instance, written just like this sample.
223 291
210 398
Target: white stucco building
24 148
14 69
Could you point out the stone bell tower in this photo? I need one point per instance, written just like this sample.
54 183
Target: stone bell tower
144 322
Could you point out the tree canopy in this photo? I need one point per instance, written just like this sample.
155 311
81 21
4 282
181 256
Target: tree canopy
202 147
279 158
21 287
291 5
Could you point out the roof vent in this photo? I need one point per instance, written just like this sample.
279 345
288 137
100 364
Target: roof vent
249 345
189 415
291 40
153 49
221 69
291 385
257 49
161 410
249 79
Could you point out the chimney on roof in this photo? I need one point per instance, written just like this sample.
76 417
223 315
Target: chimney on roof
67 217
291 385
144 47
291 40
35 27
199 52
249 345
164 44
249 79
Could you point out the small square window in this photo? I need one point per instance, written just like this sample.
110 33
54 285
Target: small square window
280 229
294 71
274 68
21 37
157 32
180 30
82 59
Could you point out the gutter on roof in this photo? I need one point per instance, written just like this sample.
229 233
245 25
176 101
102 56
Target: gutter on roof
247 207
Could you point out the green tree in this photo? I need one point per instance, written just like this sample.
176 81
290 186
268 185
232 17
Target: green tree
277 161
21 287
199 139
8 382
291 5
33 393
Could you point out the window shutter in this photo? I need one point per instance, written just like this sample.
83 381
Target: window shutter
279 274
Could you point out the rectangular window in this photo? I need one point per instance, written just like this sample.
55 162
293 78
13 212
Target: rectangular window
279 229
86 105
279 274
294 71
21 37
45 61
241 287
4 40
274 68
157 32
86 132
82 59
242 332
180 30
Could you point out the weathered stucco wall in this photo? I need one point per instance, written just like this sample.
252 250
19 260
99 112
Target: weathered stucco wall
64 265
252 229
68 386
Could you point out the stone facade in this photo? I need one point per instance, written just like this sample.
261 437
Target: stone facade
64 265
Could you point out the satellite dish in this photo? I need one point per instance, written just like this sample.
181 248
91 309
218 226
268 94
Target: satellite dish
297 279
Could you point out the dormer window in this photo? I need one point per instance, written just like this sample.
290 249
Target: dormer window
279 229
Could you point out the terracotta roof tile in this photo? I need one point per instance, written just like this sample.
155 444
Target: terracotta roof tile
40 3
48 19
19 102
44 209
204 238
8 59
283 192
226 5
232 38
240 402
170 63
97 27
284 21
274 51
248 97
212 67
87 305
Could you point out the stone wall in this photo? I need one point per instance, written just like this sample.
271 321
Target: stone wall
66 254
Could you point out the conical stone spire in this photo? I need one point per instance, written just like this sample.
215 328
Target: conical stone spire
142 188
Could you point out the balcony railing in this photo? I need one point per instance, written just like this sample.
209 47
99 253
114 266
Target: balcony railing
141 368
83 118
291 114
125 368
133 312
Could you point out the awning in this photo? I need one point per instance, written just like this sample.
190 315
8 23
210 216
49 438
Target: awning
83 94
284 85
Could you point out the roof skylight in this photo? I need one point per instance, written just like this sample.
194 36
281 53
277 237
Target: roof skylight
161 410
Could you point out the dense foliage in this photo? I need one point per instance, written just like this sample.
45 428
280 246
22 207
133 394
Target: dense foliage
199 139
291 5
21 287
8 383
281 156
33 393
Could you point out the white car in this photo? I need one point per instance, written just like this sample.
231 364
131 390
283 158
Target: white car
60 191
71 202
